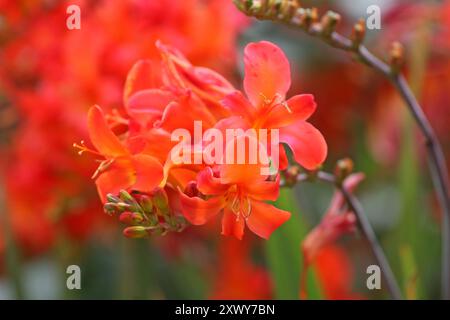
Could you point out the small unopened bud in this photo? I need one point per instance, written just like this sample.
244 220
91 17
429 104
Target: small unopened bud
160 200
146 203
269 9
396 57
358 33
329 22
126 197
288 9
314 13
243 5
309 17
112 198
135 232
257 7
110 208
343 168
122 206
297 18
291 175
131 218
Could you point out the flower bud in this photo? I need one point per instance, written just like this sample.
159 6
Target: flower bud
122 206
160 200
135 232
288 9
291 175
110 208
146 203
112 198
396 57
329 22
126 197
131 218
343 168
309 17
358 33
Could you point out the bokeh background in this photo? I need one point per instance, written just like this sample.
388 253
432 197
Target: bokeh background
51 216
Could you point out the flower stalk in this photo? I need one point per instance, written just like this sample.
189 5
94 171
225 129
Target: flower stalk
342 169
305 20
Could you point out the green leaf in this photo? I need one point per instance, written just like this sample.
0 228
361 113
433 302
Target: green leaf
284 256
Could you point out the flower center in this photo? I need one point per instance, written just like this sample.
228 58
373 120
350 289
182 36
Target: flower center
240 204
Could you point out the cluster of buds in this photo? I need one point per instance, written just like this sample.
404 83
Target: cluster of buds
308 19
144 213
292 13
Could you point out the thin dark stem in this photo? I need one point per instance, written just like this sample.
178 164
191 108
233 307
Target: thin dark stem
368 233
364 225
438 169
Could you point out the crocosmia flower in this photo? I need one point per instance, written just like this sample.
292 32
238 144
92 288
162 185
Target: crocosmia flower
239 190
167 101
120 169
267 80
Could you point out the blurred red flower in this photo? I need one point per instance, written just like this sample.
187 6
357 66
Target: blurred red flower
237 277
53 75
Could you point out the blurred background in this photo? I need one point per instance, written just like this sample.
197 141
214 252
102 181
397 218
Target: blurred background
50 214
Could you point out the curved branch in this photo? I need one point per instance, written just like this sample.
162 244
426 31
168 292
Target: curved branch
365 227
290 12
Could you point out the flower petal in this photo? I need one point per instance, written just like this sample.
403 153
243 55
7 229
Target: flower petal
232 225
242 164
148 171
198 112
149 104
239 105
265 218
144 74
306 142
263 190
328 231
267 72
210 185
119 176
297 108
198 211
101 135
157 143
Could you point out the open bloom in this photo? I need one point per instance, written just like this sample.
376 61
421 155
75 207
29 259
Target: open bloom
239 190
165 97
49 64
121 169
267 80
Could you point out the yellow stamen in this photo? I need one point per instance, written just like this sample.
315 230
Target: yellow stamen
83 148
105 164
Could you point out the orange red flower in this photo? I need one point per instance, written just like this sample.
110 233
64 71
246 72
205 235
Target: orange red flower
168 94
54 75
